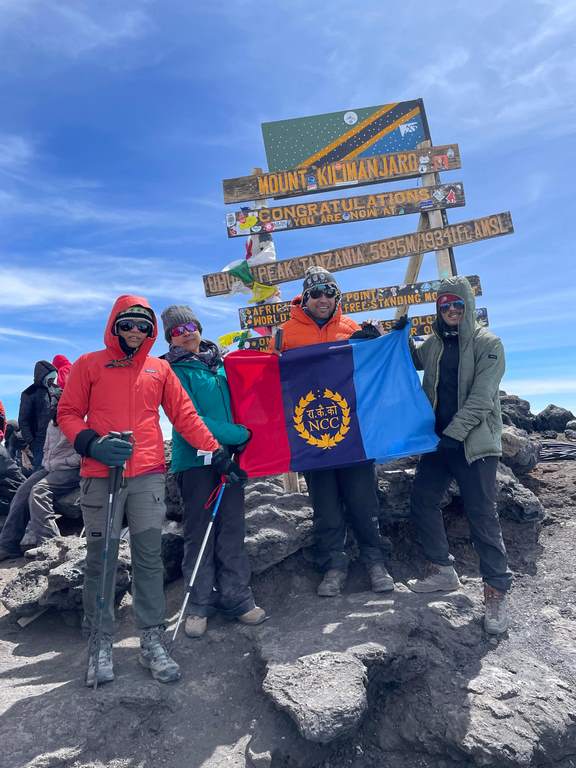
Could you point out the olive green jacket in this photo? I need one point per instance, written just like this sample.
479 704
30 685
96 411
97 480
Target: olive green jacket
478 421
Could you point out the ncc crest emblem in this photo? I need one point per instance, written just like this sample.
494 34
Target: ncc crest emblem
322 420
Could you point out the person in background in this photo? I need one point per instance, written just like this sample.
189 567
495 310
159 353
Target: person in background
346 495
463 364
63 366
120 389
223 581
34 413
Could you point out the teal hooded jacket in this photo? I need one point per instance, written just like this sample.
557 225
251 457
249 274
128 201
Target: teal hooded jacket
478 421
209 392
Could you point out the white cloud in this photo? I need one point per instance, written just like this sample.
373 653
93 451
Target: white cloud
533 386
12 332
15 151
13 383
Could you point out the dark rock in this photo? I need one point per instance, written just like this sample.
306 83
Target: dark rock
516 412
553 417
69 505
549 434
571 424
514 500
570 434
172 551
519 451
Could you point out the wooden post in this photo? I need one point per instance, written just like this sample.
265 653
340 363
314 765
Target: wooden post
444 258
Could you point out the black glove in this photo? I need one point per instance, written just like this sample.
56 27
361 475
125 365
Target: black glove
401 323
224 465
449 444
112 451
237 449
367 331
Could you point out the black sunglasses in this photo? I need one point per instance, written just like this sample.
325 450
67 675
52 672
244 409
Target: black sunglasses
144 326
323 290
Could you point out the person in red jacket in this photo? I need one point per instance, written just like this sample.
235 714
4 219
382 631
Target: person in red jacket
344 495
120 389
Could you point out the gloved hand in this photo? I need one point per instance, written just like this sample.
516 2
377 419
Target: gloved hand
449 444
367 331
224 465
401 323
112 451
236 449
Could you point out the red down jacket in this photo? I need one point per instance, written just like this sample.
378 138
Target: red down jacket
127 398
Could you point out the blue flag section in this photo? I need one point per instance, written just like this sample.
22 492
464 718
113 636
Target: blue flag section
330 405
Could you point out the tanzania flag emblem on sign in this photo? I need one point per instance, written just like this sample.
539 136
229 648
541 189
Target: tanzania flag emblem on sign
330 405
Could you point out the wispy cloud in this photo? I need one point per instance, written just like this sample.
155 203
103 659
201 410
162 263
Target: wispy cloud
546 386
18 334
13 383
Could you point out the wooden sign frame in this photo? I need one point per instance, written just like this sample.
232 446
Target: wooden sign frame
374 252
366 300
357 171
344 210
421 325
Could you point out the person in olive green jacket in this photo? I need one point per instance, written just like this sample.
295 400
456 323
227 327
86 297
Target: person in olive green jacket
223 580
463 364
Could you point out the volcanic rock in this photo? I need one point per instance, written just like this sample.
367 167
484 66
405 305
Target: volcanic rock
519 451
516 412
553 417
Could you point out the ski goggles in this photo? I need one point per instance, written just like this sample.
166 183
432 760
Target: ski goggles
144 326
447 305
323 290
180 330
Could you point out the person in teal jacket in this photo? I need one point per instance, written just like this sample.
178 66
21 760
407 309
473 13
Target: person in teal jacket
223 580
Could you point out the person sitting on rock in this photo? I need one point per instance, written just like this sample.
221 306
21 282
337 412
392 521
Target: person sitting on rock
223 580
120 389
463 365
346 495
62 465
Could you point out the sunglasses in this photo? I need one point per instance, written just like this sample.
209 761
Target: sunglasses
180 330
144 326
457 305
323 290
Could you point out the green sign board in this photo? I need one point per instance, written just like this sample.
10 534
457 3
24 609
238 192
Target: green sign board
328 138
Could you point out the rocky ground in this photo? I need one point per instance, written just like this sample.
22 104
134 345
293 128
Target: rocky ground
359 681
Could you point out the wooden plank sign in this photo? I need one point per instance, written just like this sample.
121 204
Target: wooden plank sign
356 171
321 139
344 210
420 325
368 300
373 252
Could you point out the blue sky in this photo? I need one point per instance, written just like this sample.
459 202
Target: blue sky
120 119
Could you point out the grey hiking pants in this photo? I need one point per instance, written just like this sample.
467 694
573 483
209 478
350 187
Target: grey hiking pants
142 500
43 495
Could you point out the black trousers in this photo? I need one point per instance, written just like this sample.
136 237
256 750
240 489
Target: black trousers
477 483
223 580
340 497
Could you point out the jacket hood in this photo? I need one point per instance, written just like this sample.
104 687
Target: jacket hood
460 286
42 368
111 341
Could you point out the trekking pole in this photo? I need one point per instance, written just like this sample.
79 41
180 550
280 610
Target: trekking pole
220 492
114 483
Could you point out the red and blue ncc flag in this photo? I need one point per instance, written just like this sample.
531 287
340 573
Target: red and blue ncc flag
330 405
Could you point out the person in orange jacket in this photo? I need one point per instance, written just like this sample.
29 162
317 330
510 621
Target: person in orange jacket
344 495
120 389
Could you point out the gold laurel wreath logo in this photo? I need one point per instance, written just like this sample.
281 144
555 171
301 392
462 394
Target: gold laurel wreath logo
325 440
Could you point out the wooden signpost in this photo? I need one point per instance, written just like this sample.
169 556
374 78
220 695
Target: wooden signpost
374 252
368 300
420 325
344 210
356 171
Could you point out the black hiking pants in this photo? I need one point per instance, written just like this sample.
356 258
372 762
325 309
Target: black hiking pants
223 580
477 483
342 497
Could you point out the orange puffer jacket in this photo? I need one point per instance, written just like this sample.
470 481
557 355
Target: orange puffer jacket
98 400
301 329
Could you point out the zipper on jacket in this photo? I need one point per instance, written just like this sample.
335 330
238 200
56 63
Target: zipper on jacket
437 377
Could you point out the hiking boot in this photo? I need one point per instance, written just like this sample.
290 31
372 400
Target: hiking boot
380 579
496 616
195 626
28 541
105 668
8 554
155 657
255 616
437 578
332 583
